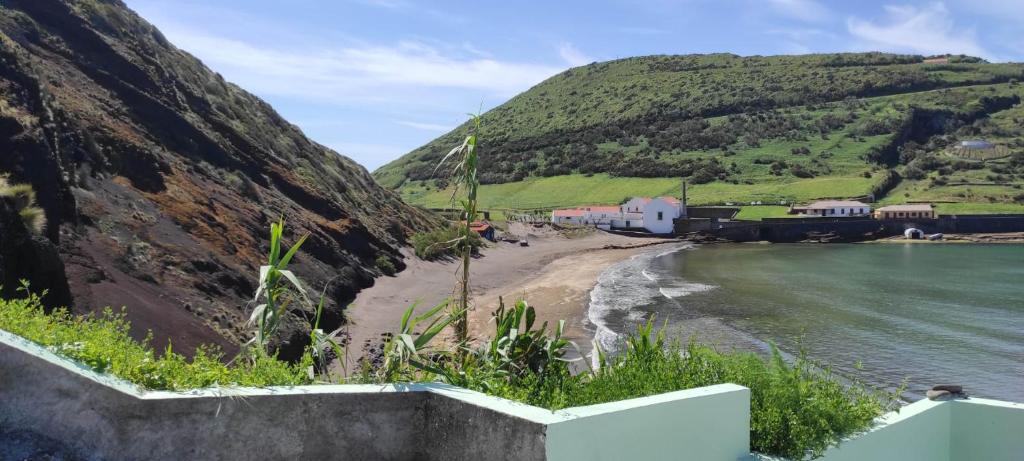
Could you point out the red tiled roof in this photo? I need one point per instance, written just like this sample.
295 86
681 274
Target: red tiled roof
823 204
480 226
908 207
569 212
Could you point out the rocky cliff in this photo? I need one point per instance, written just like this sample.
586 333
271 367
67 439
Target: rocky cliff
159 179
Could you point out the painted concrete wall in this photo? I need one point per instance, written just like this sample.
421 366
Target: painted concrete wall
94 416
987 430
46 398
919 431
668 213
709 423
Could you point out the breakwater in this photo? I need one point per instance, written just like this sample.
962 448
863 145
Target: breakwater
790 230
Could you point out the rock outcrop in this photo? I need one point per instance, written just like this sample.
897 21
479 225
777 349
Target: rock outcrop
159 179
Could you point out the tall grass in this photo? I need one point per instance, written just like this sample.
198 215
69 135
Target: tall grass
23 198
102 342
798 410
464 177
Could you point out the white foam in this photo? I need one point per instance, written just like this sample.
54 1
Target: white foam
628 285
684 289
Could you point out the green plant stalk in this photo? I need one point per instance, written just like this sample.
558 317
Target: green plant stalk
471 183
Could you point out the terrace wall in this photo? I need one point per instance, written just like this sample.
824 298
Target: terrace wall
61 407
56 405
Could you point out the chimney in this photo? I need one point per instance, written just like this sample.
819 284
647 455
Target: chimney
682 211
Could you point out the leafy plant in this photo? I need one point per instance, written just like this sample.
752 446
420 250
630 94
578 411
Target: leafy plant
464 175
404 350
385 265
275 295
278 289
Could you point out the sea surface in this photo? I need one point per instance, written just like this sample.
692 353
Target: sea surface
881 313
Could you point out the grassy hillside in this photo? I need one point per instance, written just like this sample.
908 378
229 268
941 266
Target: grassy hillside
770 129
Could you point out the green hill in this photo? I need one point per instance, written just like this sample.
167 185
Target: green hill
739 128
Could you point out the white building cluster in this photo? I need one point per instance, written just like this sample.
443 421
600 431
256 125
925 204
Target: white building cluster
655 215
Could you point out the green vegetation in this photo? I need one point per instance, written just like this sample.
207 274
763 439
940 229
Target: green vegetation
739 129
797 410
102 343
576 189
278 289
23 198
385 265
442 243
757 213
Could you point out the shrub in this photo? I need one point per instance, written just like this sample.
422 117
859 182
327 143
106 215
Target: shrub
440 243
797 410
385 265
102 342
23 198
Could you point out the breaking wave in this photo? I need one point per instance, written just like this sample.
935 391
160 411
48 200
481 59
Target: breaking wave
626 292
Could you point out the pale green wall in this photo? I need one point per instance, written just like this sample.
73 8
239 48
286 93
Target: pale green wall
704 424
987 430
920 431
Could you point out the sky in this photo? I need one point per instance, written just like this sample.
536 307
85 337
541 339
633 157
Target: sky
374 79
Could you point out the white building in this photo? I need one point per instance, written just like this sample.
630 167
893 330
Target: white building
834 209
660 214
572 216
600 216
655 215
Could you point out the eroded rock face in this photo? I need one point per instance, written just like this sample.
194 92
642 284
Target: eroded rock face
32 258
160 179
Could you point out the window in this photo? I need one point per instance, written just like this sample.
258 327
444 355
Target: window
659 216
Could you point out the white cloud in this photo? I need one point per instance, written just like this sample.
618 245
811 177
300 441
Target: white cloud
803 10
356 72
425 126
927 30
572 56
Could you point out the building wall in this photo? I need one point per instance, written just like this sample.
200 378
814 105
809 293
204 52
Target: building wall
573 220
668 211
839 212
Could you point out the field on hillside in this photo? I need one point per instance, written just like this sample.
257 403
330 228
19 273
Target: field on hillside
572 190
668 116
743 130
833 163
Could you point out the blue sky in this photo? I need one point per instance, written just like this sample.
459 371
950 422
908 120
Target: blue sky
374 79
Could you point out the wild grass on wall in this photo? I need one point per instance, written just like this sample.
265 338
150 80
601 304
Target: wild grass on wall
102 342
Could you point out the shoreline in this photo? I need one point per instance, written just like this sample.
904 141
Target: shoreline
554 274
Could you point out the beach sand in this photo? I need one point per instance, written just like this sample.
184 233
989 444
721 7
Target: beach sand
554 274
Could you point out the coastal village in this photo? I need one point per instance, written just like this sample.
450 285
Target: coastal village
222 242
668 216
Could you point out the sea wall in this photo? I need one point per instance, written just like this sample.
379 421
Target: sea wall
784 230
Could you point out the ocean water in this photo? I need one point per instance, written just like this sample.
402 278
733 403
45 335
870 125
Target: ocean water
930 314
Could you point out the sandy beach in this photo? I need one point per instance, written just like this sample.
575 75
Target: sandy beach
554 274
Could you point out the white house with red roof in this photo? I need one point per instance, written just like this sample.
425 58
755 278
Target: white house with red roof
655 215
833 209
573 216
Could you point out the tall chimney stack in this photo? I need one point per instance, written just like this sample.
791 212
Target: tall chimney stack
682 211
